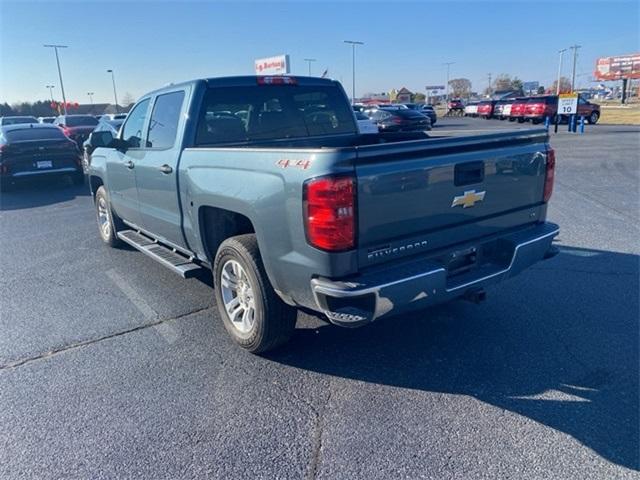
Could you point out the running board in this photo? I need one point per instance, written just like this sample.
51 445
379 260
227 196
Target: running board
180 264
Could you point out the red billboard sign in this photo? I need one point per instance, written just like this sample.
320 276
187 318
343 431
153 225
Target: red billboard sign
616 68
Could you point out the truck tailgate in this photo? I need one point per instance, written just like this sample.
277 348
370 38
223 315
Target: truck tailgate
414 197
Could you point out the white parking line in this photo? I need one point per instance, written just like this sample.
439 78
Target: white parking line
166 331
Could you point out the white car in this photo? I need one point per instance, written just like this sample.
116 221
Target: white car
471 110
365 124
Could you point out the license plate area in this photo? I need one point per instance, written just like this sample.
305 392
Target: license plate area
40 164
493 254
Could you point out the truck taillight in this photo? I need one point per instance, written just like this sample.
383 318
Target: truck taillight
329 212
277 80
550 174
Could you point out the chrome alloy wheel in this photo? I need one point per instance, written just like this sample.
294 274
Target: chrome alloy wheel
238 297
103 218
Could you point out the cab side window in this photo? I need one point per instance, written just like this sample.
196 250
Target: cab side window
132 129
164 120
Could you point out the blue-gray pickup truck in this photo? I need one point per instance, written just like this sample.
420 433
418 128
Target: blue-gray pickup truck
267 182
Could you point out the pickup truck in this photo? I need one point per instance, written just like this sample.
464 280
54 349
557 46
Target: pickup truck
267 182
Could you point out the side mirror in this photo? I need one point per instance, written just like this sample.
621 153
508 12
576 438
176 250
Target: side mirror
101 139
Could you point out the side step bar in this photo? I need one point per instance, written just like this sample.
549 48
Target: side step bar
180 264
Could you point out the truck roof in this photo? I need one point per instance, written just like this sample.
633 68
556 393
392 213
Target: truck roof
243 81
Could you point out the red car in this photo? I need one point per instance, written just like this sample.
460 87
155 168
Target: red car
538 108
517 109
485 108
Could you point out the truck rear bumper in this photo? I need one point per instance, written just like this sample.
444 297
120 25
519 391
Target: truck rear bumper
418 284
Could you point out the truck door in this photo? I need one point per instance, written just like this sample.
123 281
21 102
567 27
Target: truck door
157 170
121 175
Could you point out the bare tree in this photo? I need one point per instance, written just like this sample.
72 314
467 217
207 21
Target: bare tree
460 87
127 99
565 85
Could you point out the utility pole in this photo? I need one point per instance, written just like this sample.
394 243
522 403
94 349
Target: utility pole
115 95
448 65
353 44
490 90
51 87
64 98
309 60
575 59
561 52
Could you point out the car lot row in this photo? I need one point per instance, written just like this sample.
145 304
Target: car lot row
535 109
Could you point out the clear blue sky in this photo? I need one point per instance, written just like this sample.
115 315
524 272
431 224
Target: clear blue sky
149 44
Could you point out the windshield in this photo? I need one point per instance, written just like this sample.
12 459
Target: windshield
246 114
80 120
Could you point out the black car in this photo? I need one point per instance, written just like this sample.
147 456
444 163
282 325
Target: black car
76 127
400 120
91 143
430 112
37 150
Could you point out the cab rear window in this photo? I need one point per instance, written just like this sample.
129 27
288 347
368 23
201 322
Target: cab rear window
27 134
271 112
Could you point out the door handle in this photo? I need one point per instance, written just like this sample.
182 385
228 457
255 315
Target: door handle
166 169
129 164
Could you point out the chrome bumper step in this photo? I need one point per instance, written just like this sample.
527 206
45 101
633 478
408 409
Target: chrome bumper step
170 258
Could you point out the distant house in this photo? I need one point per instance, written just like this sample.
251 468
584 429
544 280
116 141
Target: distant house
404 95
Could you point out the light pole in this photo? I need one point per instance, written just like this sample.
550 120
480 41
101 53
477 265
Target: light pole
51 87
561 52
573 73
115 95
90 94
353 44
489 89
309 60
448 64
64 98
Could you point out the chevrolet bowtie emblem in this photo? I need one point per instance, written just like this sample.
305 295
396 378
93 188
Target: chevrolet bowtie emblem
469 199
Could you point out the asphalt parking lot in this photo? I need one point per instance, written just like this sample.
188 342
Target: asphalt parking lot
113 367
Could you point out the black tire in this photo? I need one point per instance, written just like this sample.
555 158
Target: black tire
108 236
593 118
273 320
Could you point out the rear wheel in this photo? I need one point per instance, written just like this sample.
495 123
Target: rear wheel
593 118
108 222
251 311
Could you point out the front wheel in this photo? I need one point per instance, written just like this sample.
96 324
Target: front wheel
251 311
108 223
593 118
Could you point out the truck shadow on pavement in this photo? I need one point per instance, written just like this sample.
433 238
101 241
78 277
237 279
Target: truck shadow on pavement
41 192
558 345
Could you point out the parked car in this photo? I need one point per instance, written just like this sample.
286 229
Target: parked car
485 108
92 142
517 109
365 124
400 120
46 119
471 109
430 112
76 127
502 109
540 107
113 116
37 150
455 107
15 120
292 210
591 111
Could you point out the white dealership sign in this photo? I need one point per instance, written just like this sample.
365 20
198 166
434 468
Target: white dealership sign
273 65
568 104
